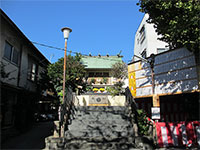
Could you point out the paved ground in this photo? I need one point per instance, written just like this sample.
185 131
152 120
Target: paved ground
32 139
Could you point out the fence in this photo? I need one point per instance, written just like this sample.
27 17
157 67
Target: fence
178 134
67 110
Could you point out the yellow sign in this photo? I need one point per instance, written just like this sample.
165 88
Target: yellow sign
132 83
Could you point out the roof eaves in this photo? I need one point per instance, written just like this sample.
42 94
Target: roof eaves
20 32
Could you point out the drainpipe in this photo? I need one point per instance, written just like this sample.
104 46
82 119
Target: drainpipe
20 62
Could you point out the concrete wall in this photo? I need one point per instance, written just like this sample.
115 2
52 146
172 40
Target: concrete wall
18 76
8 34
175 72
151 42
83 100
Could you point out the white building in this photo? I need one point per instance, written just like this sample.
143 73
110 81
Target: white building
146 40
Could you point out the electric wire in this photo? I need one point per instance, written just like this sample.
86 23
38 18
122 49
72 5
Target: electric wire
62 49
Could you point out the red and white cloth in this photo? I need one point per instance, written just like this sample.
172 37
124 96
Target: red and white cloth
178 134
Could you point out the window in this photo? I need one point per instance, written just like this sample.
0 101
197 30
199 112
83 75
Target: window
15 56
8 51
105 74
98 74
33 72
11 54
142 35
144 53
91 74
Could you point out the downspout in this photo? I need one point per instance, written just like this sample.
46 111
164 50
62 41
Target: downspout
20 62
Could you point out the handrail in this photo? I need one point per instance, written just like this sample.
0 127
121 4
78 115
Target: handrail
66 110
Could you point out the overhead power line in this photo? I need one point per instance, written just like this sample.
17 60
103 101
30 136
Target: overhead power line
62 49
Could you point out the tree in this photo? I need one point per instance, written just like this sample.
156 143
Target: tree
176 20
119 71
74 73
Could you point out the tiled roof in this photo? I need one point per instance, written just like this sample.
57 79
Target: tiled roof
100 62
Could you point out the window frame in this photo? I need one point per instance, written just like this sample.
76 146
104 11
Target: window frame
142 34
32 74
12 52
144 52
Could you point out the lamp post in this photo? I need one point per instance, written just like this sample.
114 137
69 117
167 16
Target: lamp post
66 32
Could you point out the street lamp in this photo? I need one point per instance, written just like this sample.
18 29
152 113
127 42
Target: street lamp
66 32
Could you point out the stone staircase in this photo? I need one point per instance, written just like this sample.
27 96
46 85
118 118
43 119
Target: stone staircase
99 128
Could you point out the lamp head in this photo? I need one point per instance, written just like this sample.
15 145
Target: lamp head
66 32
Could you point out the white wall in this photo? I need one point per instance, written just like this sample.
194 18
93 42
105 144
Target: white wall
151 43
83 100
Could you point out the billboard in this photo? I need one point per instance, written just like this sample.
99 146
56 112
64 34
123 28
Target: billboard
174 72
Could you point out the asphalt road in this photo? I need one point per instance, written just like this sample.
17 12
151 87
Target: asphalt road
32 139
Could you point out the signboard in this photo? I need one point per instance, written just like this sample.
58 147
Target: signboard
98 100
155 111
174 72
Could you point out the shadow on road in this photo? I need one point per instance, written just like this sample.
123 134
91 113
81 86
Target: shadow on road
32 139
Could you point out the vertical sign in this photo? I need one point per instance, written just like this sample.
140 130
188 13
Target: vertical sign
155 111
132 81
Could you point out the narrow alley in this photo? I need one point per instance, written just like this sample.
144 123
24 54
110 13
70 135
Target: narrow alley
32 139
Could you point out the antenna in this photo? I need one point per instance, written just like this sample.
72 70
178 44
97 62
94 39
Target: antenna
51 56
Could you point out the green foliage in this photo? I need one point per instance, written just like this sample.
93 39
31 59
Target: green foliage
105 80
45 82
116 89
143 123
74 73
119 70
88 88
176 20
93 81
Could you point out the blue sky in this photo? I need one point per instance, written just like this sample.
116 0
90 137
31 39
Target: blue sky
98 26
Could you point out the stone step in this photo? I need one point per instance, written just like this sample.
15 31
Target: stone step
81 126
103 129
99 139
83 143
106 123
114 109
102 115
101 119
99 146
108 134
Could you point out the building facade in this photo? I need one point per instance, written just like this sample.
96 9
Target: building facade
21 65
98 70
172 86
146 40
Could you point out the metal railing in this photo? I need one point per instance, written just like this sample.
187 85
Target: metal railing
66 111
